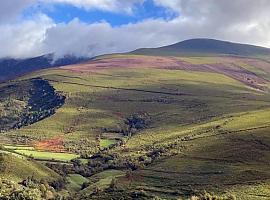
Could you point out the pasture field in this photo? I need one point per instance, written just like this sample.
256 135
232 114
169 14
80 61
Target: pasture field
30 151
107 142
18 147
41 155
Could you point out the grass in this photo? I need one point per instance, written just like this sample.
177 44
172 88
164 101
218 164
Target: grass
102 180
40 155
88 109
242 162
18 147
15 168
75 181
200 60
104 143
219 124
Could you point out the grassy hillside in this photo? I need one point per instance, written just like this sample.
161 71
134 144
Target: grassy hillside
21 178
232 159
171 127
18 168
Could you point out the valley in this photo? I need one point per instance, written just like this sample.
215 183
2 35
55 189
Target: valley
143 127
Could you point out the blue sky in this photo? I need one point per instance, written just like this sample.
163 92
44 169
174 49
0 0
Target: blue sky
93 27
64 13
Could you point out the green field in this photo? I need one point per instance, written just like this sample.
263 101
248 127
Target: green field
18 147
107 142
76 181
41 155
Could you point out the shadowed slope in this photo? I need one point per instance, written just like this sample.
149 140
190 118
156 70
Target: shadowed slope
12 68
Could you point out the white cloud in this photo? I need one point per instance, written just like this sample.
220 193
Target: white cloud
244 21
100 38
24 39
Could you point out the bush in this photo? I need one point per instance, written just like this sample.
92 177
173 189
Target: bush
137 122
209 196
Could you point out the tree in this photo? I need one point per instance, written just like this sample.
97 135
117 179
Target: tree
137 122
113 184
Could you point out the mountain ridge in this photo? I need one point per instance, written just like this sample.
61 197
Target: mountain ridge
11 68
205 46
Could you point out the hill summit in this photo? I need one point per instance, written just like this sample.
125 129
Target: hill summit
207 47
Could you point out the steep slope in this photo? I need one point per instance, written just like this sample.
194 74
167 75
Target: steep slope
18 168
26 102
206 47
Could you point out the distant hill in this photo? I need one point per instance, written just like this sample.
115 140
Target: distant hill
205 47
11 68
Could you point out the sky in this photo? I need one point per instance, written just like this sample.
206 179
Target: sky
31 28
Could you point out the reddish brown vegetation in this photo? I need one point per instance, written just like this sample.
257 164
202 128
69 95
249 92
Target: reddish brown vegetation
229 66
54 144
126 62
119 114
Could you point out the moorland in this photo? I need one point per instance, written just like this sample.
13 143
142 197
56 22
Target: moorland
141 125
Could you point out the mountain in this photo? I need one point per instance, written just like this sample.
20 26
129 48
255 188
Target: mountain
11 68
205 47
125 126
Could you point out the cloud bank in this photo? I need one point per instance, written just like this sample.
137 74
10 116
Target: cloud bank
246 21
